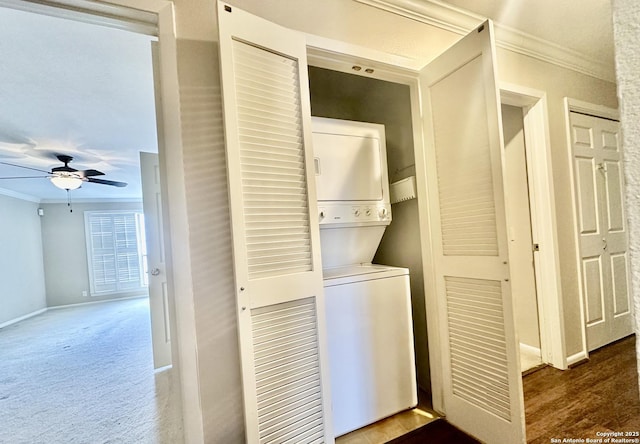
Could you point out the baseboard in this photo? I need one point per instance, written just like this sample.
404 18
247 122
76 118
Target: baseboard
55 307
79 304
530 349
578 358
22 318
166 368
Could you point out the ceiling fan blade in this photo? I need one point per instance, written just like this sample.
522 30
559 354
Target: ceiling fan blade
90 173
25 177
113 183
26 168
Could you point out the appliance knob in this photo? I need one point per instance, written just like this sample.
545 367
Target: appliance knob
368 212
356 212
322 215
383 213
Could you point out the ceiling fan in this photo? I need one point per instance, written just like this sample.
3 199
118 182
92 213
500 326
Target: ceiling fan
66 177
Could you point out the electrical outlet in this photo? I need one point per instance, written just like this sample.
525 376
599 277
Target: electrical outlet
84 293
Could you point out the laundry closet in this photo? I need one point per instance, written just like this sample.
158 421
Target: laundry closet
339 95
343 100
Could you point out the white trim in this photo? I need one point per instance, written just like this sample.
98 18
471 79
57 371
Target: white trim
322 49
433 13
544 228
432 309
92 12
79 304
175 214
576 358
162 369
22 318
530 349
56 307
460 21
94 200
592 109
21 196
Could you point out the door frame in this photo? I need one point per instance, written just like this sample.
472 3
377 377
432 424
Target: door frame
579 106
158 18
543 218
341 57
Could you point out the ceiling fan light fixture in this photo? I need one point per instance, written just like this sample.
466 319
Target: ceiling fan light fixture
66 182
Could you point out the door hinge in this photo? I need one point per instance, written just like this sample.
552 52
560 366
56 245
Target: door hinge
536 247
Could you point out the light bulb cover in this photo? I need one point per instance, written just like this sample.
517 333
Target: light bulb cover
66 182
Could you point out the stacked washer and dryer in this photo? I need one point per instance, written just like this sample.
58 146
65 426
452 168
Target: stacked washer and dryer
368 306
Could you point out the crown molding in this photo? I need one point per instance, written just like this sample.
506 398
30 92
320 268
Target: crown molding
460 21
127 18
21 196
92 200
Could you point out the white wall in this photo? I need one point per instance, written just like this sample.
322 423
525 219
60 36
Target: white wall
218 357
559 83
626 16
65 252
22 287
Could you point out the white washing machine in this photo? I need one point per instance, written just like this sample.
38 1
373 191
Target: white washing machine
368 307
370 341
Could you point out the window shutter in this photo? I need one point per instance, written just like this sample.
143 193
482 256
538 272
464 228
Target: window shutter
113 252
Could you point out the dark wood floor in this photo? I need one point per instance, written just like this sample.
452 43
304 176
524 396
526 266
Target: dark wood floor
598 396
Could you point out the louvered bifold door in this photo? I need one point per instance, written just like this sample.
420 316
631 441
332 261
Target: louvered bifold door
278 272
482 391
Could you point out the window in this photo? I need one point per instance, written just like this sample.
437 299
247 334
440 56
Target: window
116 251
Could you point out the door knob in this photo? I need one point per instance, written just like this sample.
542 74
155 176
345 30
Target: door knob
155 272
604 243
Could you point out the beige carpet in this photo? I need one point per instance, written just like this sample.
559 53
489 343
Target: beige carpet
85 375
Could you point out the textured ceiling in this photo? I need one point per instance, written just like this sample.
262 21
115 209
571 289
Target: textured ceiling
584 26
71 88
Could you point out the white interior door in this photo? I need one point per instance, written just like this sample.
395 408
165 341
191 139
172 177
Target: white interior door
276 241
482 390
602 228
156 269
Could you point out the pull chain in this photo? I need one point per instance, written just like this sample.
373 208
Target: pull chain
69 202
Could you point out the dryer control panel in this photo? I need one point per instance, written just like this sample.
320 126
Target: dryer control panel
354 213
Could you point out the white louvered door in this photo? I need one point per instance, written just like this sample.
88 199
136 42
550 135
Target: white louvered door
278 270
482 390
